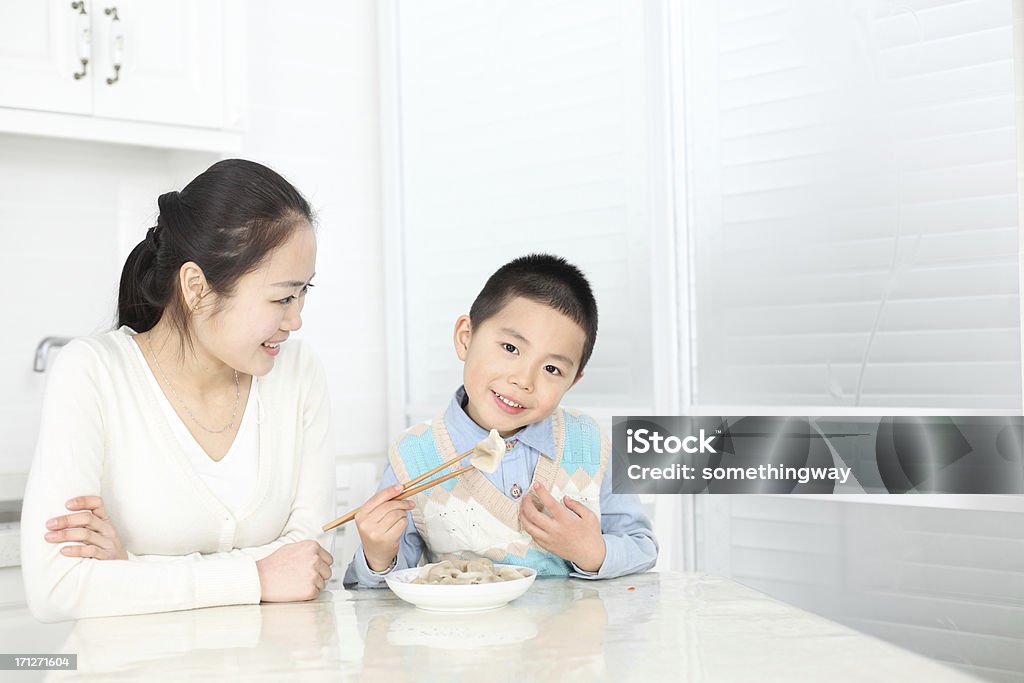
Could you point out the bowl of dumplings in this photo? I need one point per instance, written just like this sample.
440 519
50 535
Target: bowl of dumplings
461 585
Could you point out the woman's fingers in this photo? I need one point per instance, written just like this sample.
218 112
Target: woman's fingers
81 535
80 551
94 503
324 570
81 519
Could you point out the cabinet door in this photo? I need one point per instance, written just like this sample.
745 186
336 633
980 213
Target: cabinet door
170 57
39 55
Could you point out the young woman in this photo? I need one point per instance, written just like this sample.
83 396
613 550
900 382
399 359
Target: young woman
190 445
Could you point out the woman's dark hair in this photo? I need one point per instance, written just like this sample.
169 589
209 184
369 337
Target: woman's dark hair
227 220
548 280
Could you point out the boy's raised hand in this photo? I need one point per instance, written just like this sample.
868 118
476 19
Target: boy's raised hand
571 531
381 521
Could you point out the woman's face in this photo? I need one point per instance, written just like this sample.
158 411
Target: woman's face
265 308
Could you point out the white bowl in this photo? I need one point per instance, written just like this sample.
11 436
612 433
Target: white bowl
458 598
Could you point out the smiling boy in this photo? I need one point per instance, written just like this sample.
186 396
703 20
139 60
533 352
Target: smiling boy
525 342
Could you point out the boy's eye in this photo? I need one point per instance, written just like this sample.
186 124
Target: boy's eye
552 370
510 347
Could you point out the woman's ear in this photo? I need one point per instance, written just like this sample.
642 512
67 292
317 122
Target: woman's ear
462 336
193 285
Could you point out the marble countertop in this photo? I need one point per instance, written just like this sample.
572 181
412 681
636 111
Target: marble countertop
650 627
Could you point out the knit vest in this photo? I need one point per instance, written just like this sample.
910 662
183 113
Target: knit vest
468 515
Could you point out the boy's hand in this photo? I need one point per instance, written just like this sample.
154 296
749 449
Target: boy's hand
571 531
381 521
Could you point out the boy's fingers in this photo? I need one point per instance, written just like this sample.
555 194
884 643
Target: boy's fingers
577 507
396 527
550 504
389 508
382 496
381 526
538 535
535 517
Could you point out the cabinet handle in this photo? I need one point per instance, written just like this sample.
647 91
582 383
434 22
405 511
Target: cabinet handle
84 35
116 44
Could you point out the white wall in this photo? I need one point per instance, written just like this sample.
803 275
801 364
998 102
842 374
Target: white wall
312 115
68 210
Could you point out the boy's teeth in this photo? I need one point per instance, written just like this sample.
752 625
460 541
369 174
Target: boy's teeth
506 401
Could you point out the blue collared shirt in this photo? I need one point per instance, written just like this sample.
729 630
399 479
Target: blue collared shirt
630 546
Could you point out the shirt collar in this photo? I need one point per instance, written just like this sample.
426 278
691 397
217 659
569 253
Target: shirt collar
465 433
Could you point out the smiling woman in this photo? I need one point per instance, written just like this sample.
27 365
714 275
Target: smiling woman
189 444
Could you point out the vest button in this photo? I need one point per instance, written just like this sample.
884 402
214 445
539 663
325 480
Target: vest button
516 491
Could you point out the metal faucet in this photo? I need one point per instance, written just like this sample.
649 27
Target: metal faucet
43 351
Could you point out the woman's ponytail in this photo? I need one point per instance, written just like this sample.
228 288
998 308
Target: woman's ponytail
137 305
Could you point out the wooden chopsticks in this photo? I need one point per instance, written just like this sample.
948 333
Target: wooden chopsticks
410 488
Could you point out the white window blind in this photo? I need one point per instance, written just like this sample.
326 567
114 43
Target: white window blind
853 189
521 127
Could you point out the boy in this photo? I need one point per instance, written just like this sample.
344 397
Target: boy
525 342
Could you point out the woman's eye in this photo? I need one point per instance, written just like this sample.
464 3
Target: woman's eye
510 348
552 369
288 299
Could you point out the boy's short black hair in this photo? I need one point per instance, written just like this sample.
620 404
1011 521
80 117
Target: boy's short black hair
548 280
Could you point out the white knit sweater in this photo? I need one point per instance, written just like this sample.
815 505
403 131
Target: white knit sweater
103 433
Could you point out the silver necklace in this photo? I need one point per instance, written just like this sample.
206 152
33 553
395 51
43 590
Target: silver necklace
234 412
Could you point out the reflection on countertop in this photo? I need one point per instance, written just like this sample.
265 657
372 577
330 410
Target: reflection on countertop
656 626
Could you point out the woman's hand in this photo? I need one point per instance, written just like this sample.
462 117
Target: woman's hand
294 572
91 527
381 521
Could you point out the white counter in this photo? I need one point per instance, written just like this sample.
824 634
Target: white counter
652 627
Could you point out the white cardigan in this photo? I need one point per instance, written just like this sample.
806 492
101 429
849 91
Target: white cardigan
104 433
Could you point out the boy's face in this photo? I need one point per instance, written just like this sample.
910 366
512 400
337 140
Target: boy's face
518 364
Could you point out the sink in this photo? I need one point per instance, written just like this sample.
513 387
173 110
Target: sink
10 511
10 523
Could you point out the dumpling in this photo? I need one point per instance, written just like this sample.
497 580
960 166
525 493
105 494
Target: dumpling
466 572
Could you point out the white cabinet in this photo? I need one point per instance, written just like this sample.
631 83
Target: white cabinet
40 45
158 61
147 62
